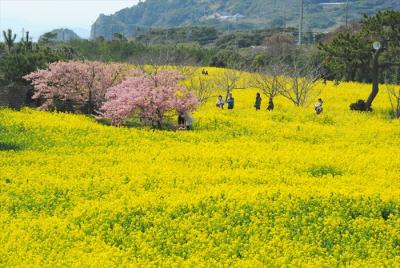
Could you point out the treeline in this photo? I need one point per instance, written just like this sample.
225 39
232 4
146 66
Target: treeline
20 58
134 52
211 37
241 49
244 49
234 14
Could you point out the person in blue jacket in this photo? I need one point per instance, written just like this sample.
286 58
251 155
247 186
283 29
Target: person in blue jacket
230 101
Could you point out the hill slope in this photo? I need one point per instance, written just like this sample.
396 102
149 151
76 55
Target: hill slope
230 14
62 35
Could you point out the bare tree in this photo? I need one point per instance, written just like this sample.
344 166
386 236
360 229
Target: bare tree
301 86
187 70
270 81
228 80
394 97
170 56
202 86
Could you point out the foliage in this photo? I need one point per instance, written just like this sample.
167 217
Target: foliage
281 44
22 61
320 171
26 42
150 96
208 37
200 35
26 57
250 14
351 55
394 98
135 52
58 35
249 38
236 192
48 38
139 53
82 85
9 38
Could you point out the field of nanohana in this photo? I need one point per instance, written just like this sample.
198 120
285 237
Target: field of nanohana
244 188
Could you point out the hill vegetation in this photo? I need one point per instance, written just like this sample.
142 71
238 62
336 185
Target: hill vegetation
234 14
59 35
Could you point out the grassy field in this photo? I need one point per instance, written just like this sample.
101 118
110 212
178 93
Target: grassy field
244 188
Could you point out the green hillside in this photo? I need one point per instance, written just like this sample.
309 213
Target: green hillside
234 14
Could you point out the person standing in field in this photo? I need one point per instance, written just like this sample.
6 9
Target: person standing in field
230 101
257 105
181 120
188 120
318 106
270 104
220 102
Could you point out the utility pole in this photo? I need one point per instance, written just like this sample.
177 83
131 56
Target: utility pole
284 17
300 42
347 13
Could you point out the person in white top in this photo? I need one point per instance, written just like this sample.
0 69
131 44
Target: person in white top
220 102
318 106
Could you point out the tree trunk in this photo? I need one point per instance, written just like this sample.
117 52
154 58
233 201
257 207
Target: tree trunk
398 107
228 91
90 103
375 79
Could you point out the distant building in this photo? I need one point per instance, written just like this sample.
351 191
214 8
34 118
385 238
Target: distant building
226 17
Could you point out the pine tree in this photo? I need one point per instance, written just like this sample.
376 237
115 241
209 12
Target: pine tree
372 51
9 38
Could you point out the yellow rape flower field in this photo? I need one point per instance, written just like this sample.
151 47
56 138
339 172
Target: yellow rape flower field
243 189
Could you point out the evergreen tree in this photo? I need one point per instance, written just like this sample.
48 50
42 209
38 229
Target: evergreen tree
367 53
9 38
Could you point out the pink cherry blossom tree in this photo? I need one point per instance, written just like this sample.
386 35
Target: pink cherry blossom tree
81 84
149 96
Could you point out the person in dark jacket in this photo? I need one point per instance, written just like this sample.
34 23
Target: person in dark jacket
257 105
270 104
181 120
230 101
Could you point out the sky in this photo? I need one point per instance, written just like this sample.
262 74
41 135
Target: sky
40 16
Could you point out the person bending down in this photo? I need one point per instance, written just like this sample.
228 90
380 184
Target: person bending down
220 102
318 106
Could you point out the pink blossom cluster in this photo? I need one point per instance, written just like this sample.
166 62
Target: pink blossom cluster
82 83
114 91
149 97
